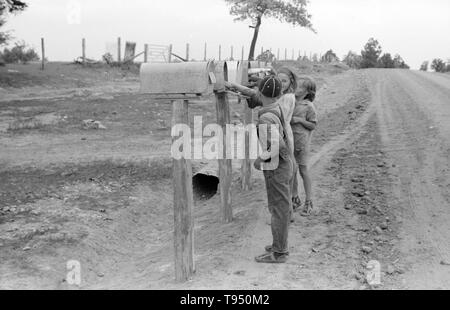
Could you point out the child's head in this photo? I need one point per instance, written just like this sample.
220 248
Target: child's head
288 80
270 89
306 89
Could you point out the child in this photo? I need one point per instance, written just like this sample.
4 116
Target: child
304 121
290 83
278 177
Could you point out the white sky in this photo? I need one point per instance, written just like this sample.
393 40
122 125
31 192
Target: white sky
416 29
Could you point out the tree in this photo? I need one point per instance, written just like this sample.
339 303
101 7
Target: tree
399 62
424 66
8 6
353 60
266 56
438 65
20 53
330 56
386 61
370 54
290 11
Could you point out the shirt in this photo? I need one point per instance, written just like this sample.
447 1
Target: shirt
269 119
302 136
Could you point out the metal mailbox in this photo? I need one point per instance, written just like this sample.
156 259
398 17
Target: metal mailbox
187 78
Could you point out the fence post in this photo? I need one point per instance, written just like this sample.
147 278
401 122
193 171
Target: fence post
206 47
146 53
220 52
183 203
278 54
170 52
83 46
187 52
285 54
232 58
43 53
119 50
242 55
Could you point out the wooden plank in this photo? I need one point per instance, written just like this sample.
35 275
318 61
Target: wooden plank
183 204
225 168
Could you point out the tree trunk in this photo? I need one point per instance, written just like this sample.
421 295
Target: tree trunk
251 55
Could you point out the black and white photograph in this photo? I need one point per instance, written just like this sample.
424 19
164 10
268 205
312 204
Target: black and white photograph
249 146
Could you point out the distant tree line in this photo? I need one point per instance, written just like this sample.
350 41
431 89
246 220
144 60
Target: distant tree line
438 65
372 57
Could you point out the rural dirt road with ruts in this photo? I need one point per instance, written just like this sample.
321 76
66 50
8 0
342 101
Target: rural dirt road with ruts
381 168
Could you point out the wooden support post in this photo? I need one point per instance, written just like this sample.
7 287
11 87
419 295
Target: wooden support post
205 54
170 53
183 204
231 57
83 46
146 53
293 54
43 54
220 52
242 55
187 52
119 50
278 55
246 168
262 50
285 54
225 168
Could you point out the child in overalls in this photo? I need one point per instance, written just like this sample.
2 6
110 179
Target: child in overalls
277 177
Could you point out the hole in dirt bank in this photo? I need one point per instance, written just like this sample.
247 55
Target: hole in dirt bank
205 186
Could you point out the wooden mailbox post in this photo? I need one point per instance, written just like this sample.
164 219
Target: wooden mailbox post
180 82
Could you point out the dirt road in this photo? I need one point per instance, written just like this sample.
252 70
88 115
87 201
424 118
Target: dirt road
381 184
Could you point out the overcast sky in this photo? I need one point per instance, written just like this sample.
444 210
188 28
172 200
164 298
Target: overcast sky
418 30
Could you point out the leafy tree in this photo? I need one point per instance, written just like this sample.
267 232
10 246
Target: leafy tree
438 65
424 66
370 54
330 56
386 61
290 11
353 60
266 56
399 62
8 6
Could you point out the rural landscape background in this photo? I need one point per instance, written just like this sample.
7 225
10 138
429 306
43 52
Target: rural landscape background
85 167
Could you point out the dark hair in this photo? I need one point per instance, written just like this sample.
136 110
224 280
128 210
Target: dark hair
310 87
292 78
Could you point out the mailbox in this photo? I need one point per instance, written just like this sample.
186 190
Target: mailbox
242 72
232 67
175 79
221 75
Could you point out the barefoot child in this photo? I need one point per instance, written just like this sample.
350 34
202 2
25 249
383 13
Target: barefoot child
304 121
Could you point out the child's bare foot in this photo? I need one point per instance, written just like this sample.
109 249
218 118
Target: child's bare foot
308 208
296 203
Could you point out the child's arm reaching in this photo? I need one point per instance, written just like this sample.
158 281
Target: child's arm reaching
242 89
308 125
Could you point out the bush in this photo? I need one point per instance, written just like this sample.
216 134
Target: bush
20 53
370 54
330 56
266 56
